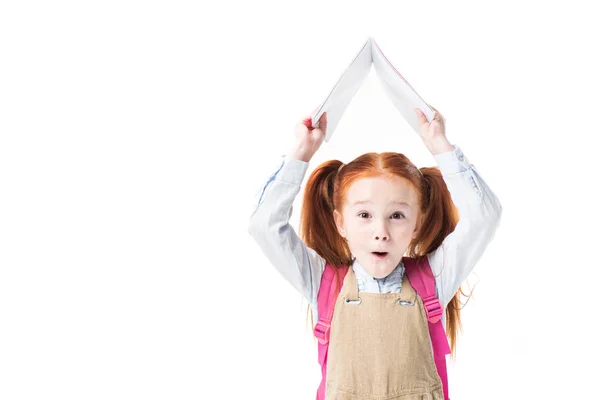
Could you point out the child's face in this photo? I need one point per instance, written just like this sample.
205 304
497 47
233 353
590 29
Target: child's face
380 223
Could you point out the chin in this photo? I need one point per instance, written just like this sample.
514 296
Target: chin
381 268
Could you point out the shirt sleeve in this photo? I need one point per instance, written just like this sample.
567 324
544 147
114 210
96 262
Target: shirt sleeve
479 212
270 228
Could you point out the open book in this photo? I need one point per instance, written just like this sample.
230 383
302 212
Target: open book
402 94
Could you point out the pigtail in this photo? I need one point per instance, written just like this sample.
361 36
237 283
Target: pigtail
439 214
317 226
439 218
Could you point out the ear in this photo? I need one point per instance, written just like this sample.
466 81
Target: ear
339 222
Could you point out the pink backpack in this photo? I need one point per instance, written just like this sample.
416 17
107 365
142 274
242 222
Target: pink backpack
421 279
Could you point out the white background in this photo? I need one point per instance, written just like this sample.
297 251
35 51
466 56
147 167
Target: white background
134 135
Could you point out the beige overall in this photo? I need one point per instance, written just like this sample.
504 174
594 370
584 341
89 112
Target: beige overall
380 349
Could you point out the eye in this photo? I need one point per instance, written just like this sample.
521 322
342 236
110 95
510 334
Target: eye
396 215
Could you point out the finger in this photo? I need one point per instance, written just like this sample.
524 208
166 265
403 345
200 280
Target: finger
437 115
420 116
309 119
307 122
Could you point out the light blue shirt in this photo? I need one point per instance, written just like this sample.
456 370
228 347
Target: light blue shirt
479 210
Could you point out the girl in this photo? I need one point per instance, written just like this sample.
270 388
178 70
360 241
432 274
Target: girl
367 215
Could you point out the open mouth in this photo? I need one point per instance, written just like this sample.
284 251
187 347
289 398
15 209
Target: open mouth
379 254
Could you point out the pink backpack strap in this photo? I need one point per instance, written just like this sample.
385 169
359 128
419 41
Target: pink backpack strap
328 292
421 278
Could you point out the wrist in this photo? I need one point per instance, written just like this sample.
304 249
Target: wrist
439 145
299 154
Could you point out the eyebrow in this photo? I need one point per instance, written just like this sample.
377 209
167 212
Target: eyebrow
402 203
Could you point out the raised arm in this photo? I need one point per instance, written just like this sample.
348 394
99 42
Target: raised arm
270 228
479 210
269 223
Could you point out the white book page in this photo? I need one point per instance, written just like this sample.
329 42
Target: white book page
400 92
344 90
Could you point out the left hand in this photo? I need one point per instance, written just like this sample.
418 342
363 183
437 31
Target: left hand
434 130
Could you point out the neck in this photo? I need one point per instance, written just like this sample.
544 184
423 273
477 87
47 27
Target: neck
361 271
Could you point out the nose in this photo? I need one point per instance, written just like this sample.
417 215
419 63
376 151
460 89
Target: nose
381 234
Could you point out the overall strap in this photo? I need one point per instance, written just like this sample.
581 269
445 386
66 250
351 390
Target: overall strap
328 292
421 278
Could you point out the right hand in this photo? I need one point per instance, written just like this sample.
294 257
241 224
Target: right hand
309 139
